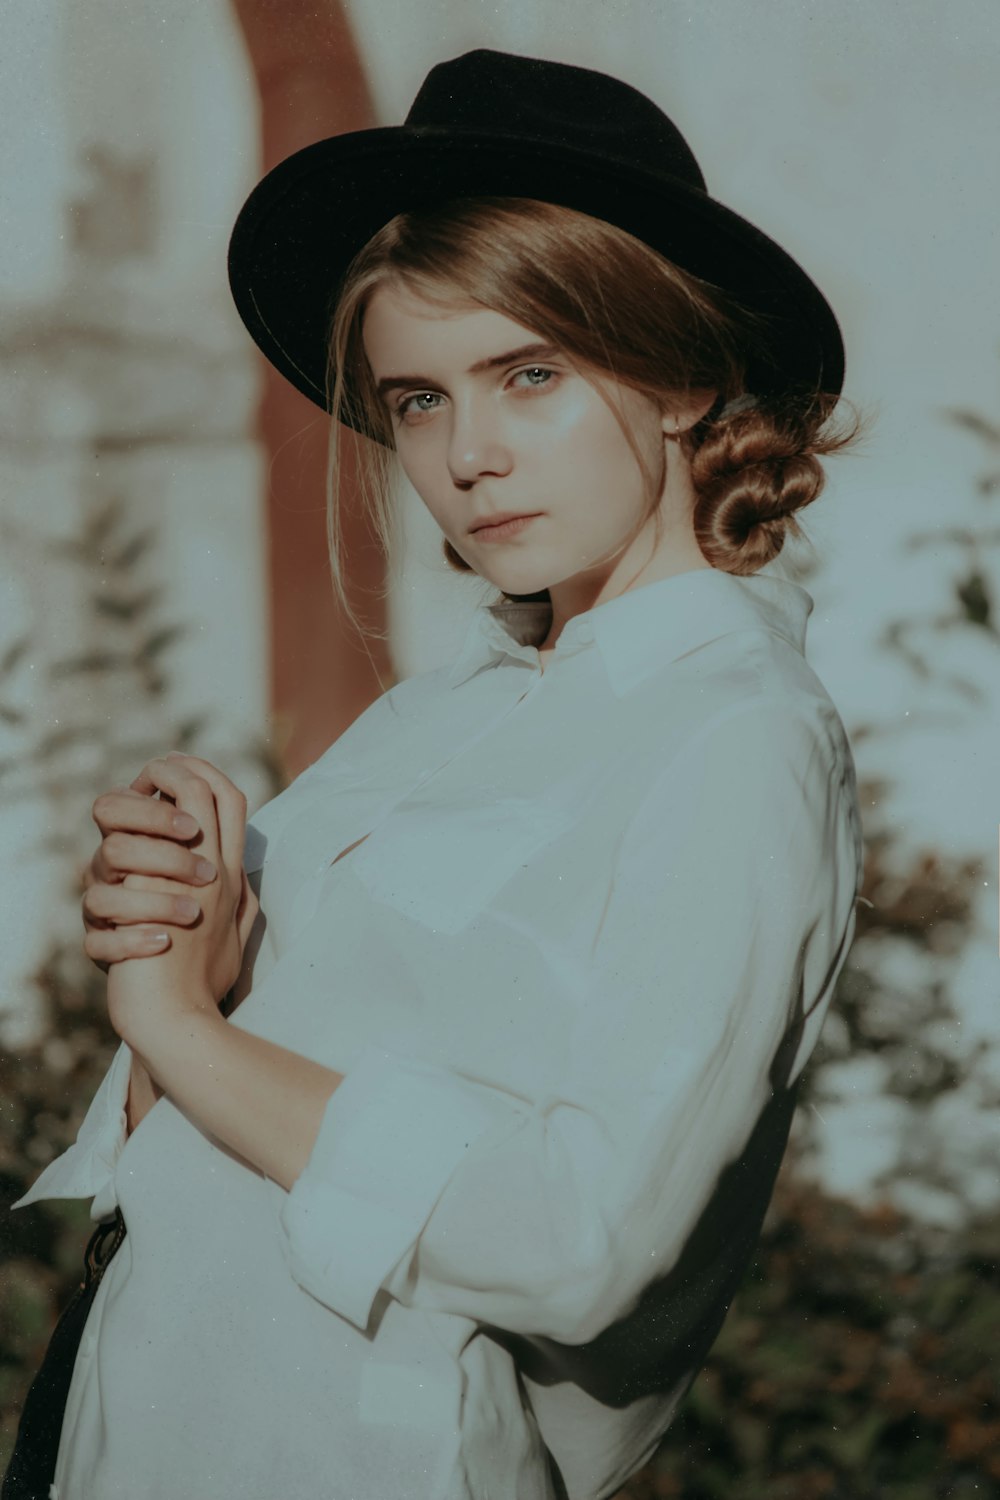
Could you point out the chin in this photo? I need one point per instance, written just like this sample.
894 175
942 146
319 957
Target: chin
511 579
521 586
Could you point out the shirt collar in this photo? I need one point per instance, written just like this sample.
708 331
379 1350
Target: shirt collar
645 628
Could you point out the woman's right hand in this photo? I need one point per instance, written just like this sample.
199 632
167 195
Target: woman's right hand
124 904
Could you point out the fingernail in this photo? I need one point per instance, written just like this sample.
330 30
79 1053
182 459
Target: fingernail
185 824
158 939
204 870
187 907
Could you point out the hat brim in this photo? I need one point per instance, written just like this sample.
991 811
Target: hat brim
307 218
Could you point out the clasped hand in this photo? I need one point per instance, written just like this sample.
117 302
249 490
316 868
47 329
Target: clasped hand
145 868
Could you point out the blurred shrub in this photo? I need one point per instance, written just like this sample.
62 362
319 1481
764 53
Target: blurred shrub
45 1091
859 1358
858 1362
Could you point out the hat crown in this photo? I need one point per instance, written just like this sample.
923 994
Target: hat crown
488 125
552 103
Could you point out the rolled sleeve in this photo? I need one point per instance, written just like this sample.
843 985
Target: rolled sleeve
391 1136
87 1167
729 914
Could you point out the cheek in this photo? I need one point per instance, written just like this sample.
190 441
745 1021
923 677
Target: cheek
426 469
592 451
417 461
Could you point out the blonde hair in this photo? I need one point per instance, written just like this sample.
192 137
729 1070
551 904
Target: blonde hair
616 305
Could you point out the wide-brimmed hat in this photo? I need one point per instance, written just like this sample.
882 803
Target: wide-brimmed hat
493 124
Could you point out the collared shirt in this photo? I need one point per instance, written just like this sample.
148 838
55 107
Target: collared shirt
572 976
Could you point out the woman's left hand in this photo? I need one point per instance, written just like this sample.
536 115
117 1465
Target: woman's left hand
204 960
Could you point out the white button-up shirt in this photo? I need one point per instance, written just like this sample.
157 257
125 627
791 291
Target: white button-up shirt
571 977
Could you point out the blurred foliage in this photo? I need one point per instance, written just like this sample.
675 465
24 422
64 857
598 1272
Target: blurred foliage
917 917
972 608
121 656
857 1363
920 904
858 1358
45 1092
118 659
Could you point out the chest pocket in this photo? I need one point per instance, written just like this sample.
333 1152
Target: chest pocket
317 814
442 865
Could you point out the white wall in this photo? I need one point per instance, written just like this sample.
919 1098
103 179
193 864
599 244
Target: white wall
124 374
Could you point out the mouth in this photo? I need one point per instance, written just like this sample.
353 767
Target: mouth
508 523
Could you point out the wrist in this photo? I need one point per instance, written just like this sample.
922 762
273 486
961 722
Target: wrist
149 1020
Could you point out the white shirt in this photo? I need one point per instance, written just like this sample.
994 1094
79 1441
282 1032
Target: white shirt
571 979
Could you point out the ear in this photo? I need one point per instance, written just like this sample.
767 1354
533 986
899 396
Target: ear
683 412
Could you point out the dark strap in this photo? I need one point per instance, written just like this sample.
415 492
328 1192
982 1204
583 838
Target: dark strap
32 1465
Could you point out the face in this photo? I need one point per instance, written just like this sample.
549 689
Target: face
489 420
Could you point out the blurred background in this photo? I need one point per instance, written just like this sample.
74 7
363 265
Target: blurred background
164 585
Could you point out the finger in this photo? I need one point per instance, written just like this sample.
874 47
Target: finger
230 806
134 853
111 945
105 905
192 794
124 808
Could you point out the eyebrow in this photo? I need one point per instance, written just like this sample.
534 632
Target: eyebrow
526 351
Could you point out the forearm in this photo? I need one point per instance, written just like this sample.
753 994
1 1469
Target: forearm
261 1100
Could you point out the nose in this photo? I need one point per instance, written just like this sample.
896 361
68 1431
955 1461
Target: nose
475 448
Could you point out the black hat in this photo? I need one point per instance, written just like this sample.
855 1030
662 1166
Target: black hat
492 124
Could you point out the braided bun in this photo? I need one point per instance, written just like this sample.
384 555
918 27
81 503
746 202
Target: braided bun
751 471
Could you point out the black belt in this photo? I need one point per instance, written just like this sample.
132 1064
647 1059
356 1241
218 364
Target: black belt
32 1465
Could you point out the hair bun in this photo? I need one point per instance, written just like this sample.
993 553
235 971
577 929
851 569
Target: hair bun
752 470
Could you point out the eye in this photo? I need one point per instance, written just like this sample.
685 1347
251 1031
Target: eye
540 377
402 408
542 370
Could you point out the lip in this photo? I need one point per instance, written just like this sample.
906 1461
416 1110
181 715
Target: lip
507 523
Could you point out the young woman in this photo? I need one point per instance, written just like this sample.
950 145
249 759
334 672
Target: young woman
458 1125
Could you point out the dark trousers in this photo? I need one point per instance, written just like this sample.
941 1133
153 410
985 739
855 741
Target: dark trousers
32 1465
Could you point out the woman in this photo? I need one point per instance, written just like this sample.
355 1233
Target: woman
454 1200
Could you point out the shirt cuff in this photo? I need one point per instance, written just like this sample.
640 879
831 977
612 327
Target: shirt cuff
87 1167
392 1134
